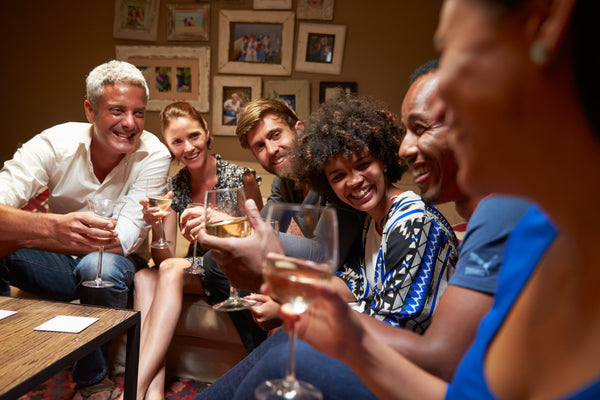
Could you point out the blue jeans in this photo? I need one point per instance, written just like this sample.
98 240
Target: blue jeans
268 361
59 277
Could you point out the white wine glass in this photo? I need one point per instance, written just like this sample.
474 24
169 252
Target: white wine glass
292 280
225 216
157 191
194 268
109 210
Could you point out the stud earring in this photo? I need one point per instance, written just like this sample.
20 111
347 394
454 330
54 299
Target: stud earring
538 53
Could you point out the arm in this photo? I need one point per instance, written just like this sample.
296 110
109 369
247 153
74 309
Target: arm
447 339
331 327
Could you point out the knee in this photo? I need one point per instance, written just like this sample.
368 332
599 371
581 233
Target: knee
172 270
115 268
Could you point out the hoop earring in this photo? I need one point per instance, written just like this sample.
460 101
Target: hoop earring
538 53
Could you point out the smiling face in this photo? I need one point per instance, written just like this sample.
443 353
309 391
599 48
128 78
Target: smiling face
360 182
187 141
484 78
270 142
118 120
425 145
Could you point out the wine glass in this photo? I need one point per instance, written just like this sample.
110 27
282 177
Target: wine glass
292 280
110 210
225 216
194 268
157 190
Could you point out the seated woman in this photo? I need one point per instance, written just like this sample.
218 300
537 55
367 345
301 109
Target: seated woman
158 291
349 149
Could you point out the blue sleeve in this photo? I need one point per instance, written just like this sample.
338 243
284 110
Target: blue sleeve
482 249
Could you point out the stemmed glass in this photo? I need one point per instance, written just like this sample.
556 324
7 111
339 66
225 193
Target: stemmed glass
292 281
157 190
225 216
194 269
110 210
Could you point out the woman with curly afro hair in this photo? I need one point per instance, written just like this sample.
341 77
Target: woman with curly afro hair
349 149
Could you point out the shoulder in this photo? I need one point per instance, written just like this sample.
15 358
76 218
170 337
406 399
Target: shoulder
65 138
152 145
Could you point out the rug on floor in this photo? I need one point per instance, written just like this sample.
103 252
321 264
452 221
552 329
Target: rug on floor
61 387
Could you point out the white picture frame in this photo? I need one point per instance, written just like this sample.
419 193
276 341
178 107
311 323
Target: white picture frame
278 25
272 4
248 88
194 62
136 19
310 58
295 92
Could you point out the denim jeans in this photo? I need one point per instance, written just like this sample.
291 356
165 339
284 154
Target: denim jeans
59 277
268 361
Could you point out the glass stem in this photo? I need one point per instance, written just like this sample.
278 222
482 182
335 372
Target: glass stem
99 269
290 368
161 231
233 293
194 255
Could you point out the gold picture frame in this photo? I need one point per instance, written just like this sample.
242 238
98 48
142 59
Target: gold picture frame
189 22
320 48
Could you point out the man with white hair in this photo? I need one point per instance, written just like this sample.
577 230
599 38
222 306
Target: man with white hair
51 254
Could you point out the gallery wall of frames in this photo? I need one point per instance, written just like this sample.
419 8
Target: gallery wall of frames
218 55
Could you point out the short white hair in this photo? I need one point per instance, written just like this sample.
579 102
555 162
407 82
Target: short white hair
112 72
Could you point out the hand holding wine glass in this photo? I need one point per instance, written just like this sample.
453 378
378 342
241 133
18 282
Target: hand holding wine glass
110 210
158 193
195 267
225 216
293 281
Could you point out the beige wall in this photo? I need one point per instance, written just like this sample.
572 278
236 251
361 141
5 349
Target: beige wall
48 47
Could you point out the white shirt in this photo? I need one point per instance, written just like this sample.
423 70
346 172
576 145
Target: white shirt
59 158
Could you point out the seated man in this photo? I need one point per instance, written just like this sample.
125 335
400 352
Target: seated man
51 254
467 298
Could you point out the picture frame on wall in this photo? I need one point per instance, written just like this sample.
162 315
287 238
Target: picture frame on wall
295 92
173 73
330 90
272 4
230 96
255 42
189 21
315 9
136 19
320 48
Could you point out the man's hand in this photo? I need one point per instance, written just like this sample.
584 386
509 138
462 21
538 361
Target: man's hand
240 259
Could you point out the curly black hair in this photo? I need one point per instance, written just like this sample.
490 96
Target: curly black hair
345 125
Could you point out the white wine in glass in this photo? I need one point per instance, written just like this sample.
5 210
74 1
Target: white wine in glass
110 210
194 268
225 216
293 280
157 190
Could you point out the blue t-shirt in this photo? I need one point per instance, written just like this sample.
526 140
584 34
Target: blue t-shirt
482 249
528 243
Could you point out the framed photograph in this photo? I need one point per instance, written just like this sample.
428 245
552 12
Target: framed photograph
256 42
272 4
136 19
230 96
189 21
320 48
330 90
296 93
173 73
315 9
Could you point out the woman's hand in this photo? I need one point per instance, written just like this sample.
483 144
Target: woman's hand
192 219
266 314
154 214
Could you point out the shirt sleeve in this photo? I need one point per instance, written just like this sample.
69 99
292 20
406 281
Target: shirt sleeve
131 227
26 173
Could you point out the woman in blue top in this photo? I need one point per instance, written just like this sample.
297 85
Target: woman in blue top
518 76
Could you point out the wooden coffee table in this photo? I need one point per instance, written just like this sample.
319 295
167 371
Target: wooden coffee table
29 358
